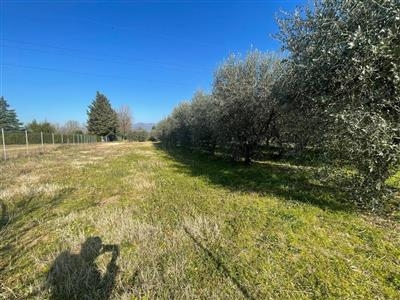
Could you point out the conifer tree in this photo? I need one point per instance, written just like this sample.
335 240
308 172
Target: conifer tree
8 117
102 119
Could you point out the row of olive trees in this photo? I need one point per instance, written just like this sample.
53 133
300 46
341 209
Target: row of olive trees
336 90
343 82
239 116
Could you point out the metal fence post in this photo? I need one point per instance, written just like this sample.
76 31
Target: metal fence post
52 137
27 142
41 138
4 144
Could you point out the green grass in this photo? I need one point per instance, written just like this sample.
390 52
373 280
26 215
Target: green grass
187 226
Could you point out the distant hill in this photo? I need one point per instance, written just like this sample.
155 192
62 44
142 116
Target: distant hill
145 126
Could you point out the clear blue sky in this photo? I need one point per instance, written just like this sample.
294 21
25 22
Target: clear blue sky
149 55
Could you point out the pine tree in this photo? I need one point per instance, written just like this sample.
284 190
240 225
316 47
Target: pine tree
102 119
8 117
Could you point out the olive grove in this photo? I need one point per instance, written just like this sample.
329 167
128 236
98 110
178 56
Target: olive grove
335 89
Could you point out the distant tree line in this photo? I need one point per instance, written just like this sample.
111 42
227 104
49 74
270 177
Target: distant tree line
335 91
103 121
9 122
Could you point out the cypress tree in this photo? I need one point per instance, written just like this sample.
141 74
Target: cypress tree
8 117
102 119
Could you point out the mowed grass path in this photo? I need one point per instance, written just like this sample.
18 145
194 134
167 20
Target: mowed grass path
187 226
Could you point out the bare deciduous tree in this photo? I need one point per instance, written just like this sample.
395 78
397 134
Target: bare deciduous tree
124 120
72 127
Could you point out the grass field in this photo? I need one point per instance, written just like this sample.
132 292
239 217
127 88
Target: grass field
130 220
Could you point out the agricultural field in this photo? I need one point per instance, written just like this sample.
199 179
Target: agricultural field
132 220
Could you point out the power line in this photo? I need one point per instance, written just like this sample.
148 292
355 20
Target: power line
94 74
125 62
164 36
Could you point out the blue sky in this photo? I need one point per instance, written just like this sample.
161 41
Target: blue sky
149 55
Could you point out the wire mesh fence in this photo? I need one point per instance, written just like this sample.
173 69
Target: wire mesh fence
24 143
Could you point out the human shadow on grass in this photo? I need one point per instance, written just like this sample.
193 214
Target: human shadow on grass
77 276
266 178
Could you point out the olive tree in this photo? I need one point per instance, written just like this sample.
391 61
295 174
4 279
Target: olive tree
181 117
175 130
344 57
297 121
245 102
163 131
203 120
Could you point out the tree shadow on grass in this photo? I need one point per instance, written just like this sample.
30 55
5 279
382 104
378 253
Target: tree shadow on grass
266 178
77 276
21 220
219 264
4 215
